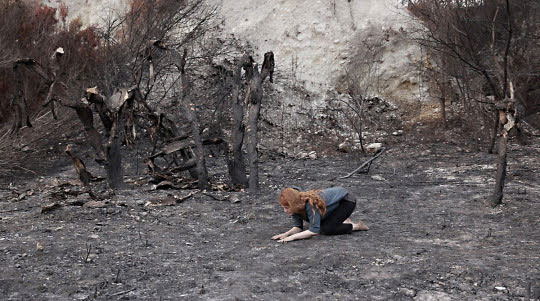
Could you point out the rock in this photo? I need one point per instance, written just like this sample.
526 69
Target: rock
408 292
374 147
344 147
378 178
312 155
169 200
432 296
50 207
234 199
95 204
397 133
302 155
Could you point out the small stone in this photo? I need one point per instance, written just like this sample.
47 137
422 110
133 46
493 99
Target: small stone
303 155
374 147
344 147
50 207
397 133
408 292
378 178
312 155
95 204
234 199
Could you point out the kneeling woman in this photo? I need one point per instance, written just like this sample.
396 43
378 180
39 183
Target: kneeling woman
327 212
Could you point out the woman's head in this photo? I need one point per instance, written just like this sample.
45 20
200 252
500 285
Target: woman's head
294 201
290 201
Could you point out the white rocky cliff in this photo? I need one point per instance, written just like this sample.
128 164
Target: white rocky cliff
312 39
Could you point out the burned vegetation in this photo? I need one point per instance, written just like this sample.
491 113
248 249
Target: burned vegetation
132 165
136 75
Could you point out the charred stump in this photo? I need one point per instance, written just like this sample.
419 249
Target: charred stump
84 175
507 122
255 92
236 164
191 113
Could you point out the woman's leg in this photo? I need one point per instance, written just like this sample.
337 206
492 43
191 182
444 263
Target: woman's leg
334 224
358 226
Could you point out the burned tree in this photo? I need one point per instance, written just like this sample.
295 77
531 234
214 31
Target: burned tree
135 74
249 128
236 164
115 62
495 44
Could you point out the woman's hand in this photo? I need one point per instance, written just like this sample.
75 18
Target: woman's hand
293 230
300 235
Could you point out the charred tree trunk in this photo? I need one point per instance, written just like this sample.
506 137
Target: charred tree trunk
18 102
442 102
254 108
500 174
111 112
255 90
191 113
186 157
84 175
87 119
444 90
236 164
113 165
494 133
507 121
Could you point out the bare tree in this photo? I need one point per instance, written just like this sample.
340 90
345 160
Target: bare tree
362 77
494 41
121 67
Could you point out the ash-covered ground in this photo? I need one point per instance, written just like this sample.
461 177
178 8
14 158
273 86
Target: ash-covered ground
431 235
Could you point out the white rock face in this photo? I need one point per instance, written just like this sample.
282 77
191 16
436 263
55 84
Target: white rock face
91 11
311 39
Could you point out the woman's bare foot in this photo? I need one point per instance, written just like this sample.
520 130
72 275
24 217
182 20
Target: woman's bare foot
360 226
348 221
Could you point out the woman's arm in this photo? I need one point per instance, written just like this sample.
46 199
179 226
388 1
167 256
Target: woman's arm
293 230
301 235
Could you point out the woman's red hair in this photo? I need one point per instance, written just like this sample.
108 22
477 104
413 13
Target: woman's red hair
297 200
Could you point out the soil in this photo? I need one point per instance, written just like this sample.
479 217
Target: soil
431 235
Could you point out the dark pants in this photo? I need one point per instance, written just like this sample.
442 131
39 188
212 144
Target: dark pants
333 223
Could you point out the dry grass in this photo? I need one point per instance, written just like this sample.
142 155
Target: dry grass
28 151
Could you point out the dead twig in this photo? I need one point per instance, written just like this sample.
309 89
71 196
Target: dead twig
180 200
88 250
367 163
121 293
